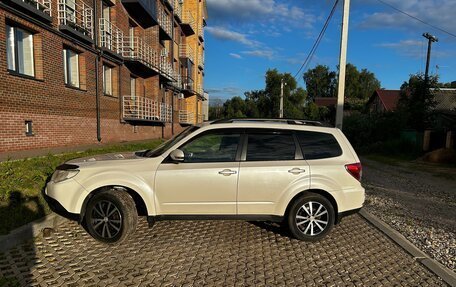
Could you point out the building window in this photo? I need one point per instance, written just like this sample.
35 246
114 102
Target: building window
71 66
133 88
107 80
19 50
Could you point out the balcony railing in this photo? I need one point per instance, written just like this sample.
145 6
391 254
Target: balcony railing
166 68
201 32
178 9
188 23
164 20
188 84
201 60
137 50
186 51
77 15
177 83
200 91
41 5
111 37
140 108
200 118
186 117
166 113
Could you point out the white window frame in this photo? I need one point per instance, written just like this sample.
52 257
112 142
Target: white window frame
17 60
107 76
67 65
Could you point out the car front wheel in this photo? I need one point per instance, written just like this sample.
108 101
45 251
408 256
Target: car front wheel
311 217
111 216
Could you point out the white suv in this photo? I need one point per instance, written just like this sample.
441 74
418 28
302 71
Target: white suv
290 171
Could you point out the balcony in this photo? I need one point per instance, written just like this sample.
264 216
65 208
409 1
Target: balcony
140 57
140 109
76 18
188 23
186 117
111 37
200 118
201 61
188 86
177 83
166 68
169 4
200 92
165 23
41 9
186 51
201 32
178 10
142 11
166 113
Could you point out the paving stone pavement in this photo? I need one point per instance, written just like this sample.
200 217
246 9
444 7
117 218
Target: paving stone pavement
215 253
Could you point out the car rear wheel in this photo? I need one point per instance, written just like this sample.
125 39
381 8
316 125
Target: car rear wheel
310 217
111 216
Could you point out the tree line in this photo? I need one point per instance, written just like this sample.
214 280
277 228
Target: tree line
298 102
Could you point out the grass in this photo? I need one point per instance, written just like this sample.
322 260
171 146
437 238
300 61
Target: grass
21 183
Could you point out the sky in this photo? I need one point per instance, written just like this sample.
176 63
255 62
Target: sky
245 38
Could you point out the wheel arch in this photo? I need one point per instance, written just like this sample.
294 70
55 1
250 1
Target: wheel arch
140 204
321 192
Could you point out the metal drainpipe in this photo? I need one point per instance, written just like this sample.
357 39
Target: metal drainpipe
172 53
97 60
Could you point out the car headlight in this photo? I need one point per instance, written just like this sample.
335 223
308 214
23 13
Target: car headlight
61 175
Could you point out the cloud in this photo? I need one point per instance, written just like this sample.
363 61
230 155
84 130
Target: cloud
229 35
259 10
231 91
236 56
414 48
436 12
266 53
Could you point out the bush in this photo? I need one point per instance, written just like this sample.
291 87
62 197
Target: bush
378 133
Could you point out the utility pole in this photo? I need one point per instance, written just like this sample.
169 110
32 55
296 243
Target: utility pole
431 39
342 65
281 98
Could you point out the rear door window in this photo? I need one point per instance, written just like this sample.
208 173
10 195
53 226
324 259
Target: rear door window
270 146
318 145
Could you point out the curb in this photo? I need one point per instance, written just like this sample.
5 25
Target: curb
29 231
443 272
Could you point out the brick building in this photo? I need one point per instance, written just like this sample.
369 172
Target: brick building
76 72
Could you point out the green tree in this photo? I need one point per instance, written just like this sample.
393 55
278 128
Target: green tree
417 102
320 82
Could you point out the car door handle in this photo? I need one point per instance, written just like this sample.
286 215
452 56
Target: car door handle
296 170
227 172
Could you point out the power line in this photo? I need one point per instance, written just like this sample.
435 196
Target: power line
318 40
416 18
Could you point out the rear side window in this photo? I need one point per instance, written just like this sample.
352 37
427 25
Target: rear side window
317 145
270 147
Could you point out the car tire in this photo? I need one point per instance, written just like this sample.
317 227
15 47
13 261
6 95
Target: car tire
310 217
111 216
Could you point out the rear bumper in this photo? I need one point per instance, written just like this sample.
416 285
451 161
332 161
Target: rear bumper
341 215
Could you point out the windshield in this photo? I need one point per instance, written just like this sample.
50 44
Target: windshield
169 143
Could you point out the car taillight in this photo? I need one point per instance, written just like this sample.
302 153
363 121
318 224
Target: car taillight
355 170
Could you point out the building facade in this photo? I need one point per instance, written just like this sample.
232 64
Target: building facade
78 72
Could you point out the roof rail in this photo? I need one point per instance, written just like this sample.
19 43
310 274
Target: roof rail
284 121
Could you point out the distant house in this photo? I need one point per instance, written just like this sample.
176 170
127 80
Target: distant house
383 101
325 101
445 99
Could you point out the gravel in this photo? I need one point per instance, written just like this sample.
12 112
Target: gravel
419 204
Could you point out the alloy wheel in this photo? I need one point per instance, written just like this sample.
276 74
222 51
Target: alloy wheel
312 218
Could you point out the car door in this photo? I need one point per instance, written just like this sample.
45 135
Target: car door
271 165
206 181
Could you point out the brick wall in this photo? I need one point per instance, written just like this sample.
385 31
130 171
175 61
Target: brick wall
65 116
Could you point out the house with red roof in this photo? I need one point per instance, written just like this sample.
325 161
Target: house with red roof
384 101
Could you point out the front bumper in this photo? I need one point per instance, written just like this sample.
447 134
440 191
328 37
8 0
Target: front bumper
67 195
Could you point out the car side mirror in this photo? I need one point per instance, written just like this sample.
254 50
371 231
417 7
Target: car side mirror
177 155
